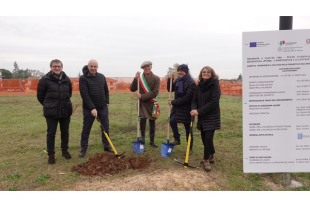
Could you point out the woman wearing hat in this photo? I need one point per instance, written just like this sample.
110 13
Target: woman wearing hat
184 89
205 105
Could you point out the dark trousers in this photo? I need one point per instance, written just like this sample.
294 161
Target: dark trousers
88 123
207 140
51 132
174 127
152 128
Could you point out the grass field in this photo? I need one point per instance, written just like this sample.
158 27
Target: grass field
23 162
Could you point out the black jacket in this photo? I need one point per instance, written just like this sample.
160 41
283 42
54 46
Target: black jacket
181 105
54 95
94 90
207 105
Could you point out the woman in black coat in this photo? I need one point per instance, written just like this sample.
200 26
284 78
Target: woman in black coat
205 105
184 88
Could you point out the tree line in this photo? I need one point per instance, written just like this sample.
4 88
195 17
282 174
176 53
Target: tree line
27 73
21 73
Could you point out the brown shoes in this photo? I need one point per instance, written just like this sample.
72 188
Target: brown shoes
51 159
66 155
206 165
211 160
175 142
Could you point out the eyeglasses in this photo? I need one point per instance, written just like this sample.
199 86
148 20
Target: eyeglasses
56 66
209 72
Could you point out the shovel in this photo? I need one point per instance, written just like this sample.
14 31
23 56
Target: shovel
185 164
137 146
167 148
109 140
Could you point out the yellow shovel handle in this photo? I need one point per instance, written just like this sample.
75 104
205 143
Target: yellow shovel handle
108 138
110 142
188 146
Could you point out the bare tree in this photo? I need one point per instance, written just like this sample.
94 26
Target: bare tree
173 70
35 73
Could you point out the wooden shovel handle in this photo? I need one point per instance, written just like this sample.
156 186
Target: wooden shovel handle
169 111
138 102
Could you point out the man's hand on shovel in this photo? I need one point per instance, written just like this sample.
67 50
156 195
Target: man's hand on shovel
94 113
138 95
137 75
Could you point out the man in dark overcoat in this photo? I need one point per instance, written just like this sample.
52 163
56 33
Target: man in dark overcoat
53 92
146 100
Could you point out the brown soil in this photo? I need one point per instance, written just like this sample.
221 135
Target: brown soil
107 164
175 179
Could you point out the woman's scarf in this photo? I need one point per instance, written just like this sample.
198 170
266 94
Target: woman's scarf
180 82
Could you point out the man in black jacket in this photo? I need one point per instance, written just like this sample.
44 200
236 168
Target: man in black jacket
184 89
95 94
53 92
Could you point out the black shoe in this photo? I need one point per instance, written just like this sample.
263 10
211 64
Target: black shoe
66 155
82 153
142 140
51 159
153 144
108 149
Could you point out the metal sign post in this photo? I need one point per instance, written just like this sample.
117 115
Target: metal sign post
285 23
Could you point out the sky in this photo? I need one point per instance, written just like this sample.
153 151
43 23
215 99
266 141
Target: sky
121 43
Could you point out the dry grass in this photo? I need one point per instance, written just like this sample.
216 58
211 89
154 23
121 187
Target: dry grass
23 162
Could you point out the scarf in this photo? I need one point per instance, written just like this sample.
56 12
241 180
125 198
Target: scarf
180 82
145 87
203 85
58 77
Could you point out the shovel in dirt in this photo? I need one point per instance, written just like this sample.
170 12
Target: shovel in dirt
167 148
109 140
137 146
185 164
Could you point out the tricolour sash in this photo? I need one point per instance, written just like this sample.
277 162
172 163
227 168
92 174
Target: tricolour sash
146 89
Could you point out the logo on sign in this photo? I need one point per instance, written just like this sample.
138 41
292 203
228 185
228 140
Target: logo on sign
308 41
282 43
253 44
299 136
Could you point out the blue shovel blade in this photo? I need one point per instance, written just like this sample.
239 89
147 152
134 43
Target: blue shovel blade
166 149
137 146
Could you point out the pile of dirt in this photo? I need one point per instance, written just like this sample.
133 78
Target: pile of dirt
107 163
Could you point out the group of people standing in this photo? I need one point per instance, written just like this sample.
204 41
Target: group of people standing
202 100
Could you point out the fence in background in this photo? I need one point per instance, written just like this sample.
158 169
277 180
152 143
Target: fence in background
21 87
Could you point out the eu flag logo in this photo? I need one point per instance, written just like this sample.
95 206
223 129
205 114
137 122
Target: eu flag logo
252 44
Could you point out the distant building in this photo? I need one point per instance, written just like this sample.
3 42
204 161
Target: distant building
232 80
111 83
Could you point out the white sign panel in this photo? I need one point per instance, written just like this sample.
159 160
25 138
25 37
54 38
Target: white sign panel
276 101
